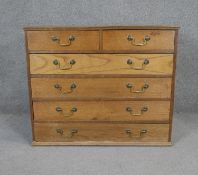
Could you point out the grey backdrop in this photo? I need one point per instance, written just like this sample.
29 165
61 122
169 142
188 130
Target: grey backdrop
16 154
14 15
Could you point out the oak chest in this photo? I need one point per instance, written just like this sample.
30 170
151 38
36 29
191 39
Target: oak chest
101 85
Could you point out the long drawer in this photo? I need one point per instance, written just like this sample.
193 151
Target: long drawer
155 64
74 132
129 111
156 41
101 87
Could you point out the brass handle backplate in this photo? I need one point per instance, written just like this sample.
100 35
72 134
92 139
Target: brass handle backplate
66 65
142 111
69 40
70 134
136 135
132 64
133 42
144 87
60 89
71 111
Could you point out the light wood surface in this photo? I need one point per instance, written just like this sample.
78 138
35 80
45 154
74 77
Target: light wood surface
102 143
160 40
159 64
47 28
101 87
101 132
102 111
101 75
173 86
84 40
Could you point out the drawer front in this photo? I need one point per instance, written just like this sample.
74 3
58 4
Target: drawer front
101 111
101 87
58 132
157 41
157 64
63 40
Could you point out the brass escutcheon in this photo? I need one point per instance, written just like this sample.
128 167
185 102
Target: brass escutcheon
139 135
144 87
132 64
66 65
143 109
71 111
132 40
59 87
69 135
69 40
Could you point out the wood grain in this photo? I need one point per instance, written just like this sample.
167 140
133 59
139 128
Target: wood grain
47 28
117 40
46 132
102 143
153 51
101 111
159 64
84 40
65 98
173 87
100 76
29 86
101 87
100 53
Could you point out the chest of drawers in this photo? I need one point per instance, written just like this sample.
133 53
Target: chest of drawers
101 85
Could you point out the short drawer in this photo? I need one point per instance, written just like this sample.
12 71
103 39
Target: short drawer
63 40
101 88
155 64
102 111
74 132
156 41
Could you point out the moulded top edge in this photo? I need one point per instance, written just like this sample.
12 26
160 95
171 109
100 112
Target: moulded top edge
30 28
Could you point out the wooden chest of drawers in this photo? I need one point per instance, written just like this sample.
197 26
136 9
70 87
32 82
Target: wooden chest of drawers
101 85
